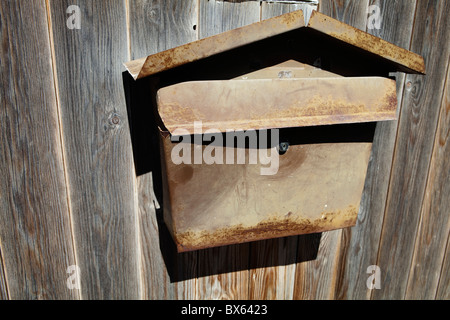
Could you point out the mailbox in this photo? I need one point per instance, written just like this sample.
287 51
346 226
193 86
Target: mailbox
266 130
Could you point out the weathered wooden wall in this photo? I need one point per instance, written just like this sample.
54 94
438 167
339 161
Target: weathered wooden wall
70 194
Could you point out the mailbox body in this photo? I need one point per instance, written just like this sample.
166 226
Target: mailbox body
226 182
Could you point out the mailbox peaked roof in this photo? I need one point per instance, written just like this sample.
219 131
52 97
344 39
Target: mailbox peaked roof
319 26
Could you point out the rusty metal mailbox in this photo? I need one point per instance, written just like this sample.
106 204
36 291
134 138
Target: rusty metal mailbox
266 131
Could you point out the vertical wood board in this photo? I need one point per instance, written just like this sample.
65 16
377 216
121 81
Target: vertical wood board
324 269
414 144
360 244
156 26
3 286
277 279
226 267
443 290
434 227
35 229
97 147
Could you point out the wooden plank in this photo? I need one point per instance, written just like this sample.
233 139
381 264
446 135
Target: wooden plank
272 269
223 273
273 262
156 26
4 295
443 291
35 232
155 277
324 269
414 145
352 12
273 9
361 243
224 280
97 148
434 227
220 16
314 279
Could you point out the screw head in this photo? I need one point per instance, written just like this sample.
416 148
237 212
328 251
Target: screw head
283 147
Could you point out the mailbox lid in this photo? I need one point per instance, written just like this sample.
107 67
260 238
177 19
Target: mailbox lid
275 103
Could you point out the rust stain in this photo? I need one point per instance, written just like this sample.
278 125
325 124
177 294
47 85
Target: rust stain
290 19
320 107
261 104
175 114
389 102
268 229
183 175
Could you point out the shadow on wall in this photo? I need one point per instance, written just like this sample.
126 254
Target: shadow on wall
183 266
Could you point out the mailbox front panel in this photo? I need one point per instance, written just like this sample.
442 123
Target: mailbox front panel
317 187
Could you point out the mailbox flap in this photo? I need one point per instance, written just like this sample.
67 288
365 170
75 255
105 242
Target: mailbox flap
275 103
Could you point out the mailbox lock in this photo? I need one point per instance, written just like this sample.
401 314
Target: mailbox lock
283 147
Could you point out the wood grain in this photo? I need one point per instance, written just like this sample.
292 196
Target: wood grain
35 232
3 285
156 282
97 147
220 16
352 12
434 226
315 279
324 269
226 268
276 279
273 9
361 243
414 145
443 290
78 134
156 26
223 273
